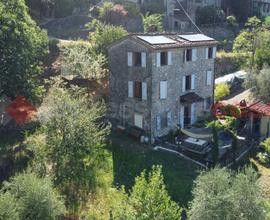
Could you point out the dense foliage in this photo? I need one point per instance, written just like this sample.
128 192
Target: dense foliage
152 22
258 83
104 35
254 42
22 45
223 194
75 141
31 197
79 60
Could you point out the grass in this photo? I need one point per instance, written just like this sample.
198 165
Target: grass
130 158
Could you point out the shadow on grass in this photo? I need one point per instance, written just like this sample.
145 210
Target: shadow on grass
130 158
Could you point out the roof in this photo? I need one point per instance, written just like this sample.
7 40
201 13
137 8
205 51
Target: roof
169 40
190 98
261 108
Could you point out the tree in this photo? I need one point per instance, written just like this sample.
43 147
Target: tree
232 23
9 209
75 141
215 125
80 61
148 199
259 84
264 157
250 39
104 35
221 90
222 194
152 22
22 46
35 197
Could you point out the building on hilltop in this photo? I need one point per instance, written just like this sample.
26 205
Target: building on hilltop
161 82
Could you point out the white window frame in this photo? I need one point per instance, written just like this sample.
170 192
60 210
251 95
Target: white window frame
130 89
163 89
138 120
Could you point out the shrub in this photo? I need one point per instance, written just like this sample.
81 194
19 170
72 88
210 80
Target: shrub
36 197
221 90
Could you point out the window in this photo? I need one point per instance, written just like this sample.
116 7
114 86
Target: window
137 59
138 90
163 89
188 83
189 55
164 120
138 120
163 58
210 53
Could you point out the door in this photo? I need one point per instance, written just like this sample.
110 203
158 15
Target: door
187 114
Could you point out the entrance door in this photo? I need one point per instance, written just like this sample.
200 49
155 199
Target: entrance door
187 115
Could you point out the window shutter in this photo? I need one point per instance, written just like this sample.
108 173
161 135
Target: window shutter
130 89
193 81
130 58
138 120
143 57
158 59
209 78
181 117
163 89
183 83
193 113
194 54
158 123
206 52
144 91
170 58
214 52
184 56
169 119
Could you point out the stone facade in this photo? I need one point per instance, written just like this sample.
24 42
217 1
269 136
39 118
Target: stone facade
155 110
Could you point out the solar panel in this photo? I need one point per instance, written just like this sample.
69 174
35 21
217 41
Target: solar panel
157 39
195 37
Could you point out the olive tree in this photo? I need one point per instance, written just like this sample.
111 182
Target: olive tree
222 194
75 142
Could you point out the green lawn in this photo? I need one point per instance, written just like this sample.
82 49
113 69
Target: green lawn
130 158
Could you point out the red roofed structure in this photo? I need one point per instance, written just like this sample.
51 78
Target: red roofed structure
21 110
260 108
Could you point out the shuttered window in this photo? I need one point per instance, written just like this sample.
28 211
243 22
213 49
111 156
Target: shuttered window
130 89
209 78
169 119
188 55
158 59
130 59
214 52
170 58
193 81
163 89
138 120
143 57
158 123
193 113
194 54
144 91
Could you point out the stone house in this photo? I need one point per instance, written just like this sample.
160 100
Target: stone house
160 82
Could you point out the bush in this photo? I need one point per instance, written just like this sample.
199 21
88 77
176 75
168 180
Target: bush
35 197
221 90
9 208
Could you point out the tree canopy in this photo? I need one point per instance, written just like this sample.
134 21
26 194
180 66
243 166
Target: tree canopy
225 195
152 22
22 45
75 140
148 199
